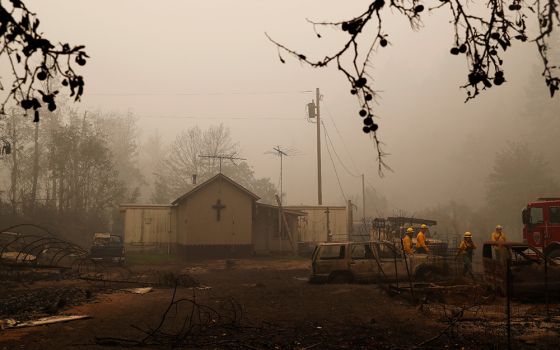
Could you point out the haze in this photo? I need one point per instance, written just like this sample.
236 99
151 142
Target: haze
177 64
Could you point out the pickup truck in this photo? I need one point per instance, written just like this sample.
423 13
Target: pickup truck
107 248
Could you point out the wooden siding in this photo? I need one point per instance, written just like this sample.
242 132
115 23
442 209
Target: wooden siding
196 219
148 225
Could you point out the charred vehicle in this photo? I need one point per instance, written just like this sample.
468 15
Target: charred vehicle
107 247
345 262
527 266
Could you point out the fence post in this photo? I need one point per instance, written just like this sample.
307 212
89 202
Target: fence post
546 287
508 302
407 271
396 269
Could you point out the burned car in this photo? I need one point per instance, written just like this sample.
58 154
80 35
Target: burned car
108 248
527 265
345 262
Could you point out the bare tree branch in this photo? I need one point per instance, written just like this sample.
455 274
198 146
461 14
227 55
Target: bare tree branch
482 36
36 64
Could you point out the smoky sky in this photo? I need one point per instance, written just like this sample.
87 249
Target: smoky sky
178 64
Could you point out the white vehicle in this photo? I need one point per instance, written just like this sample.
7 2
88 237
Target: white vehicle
346 262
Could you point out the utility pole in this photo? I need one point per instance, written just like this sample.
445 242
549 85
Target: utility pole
314 111
281 154
318 113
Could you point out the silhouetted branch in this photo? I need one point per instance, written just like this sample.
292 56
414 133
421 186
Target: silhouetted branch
36 64
481 35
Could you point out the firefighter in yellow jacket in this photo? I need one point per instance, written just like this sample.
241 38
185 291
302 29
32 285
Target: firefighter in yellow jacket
407 241
466 249
498 234
421 246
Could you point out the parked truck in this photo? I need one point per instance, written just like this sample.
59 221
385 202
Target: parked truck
541 226
107 248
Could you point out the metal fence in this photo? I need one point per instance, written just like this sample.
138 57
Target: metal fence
483 317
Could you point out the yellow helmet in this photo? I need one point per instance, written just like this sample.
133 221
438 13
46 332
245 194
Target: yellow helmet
424 226
410 230
499 227
468 234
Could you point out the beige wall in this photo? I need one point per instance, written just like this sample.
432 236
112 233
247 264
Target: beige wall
313 227
148 225
196 219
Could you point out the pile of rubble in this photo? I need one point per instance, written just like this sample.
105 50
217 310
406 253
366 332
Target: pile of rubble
27 304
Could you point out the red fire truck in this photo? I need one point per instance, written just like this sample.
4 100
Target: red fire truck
541 225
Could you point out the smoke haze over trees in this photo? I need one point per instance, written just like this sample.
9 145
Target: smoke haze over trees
89 164
78 184
442 151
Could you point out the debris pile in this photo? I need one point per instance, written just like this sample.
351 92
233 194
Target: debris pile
188 323
170 279
221 324
11 323
27 304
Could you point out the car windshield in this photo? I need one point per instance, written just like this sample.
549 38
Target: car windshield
332 252
387 251
361 251
101 240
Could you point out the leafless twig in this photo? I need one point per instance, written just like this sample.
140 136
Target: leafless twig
480 35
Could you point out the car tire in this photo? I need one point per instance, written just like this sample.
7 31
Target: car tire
340 277
316 280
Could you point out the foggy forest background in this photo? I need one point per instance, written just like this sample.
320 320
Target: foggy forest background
73 170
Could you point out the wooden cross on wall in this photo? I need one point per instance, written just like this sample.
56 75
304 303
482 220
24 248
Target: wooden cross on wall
218 207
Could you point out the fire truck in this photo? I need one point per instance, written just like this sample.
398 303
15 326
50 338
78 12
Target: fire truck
541 225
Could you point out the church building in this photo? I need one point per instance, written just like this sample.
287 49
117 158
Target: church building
218 218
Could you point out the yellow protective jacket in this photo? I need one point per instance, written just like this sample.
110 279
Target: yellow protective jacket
407 244
421 241
467 248
498 237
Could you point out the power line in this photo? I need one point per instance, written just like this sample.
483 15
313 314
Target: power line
340 135
336 154
334 167
218 118
233 93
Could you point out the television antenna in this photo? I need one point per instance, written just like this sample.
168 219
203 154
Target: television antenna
231 157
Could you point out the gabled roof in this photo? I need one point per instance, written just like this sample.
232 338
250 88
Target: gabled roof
211 180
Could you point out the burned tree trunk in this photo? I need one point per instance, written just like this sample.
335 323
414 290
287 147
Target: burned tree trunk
14 180
35 168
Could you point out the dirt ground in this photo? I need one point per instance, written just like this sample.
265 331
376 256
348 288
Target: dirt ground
278 309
